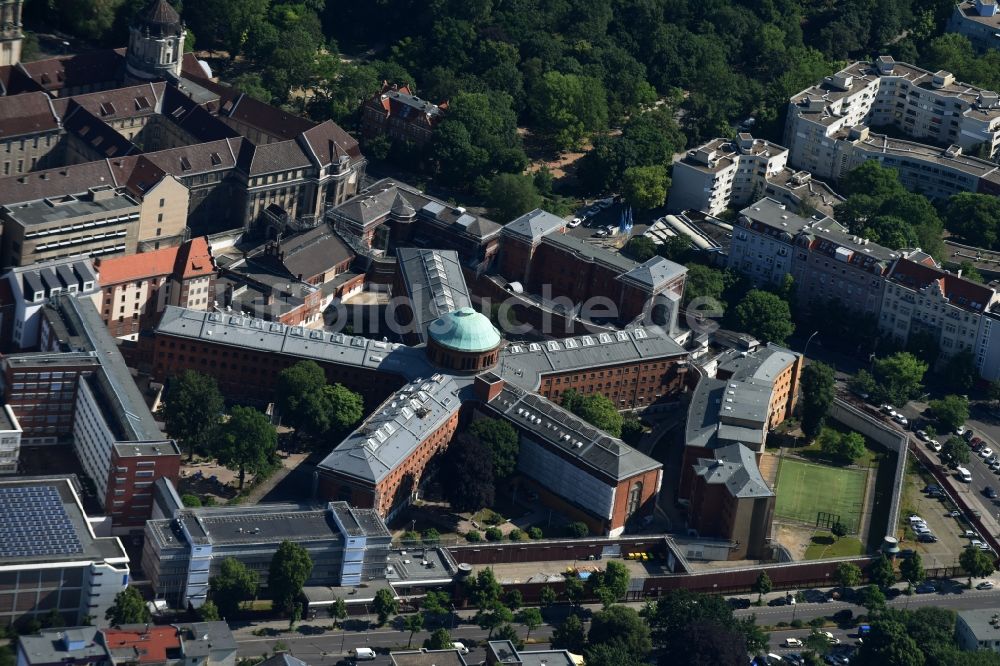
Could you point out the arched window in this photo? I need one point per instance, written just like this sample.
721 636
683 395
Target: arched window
634 499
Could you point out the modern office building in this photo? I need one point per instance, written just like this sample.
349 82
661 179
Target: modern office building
135 289
348 546
954 127
193 644
979 20
963 316
827 262
50 557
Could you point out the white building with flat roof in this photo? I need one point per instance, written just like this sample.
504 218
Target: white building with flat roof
979 20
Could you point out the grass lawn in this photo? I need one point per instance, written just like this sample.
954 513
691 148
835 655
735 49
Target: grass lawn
825 545
804 489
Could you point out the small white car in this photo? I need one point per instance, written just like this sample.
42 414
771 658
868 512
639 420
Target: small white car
574 223
985 452
460 647
960 430
900 419
830 638
914 518
923 436
935 445
976 543
793 643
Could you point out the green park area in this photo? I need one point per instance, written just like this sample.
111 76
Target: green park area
806 490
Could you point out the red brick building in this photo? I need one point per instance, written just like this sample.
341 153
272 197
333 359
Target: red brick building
397 113
536 252
135 289
134 467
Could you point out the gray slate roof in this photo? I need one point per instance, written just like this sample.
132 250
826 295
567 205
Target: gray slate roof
257 334
398 426
562 430
534 225
736 467
654 273
434 283
524 363
589 252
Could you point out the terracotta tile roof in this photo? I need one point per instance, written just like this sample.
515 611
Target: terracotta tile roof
190 259
26 114
128 102
94 68
117 270
268 119
194 259
146 645
959 291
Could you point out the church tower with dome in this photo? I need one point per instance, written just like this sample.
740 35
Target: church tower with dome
155 44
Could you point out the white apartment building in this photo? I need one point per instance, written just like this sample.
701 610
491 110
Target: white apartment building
979 20
962 314
825 259
827 131
724 173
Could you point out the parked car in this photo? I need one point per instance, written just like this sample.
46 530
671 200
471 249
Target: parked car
985 585
955 513
931 488
935 445
969 534
995 466
792 642
592 211
985 452
926 587
990 492
602 233
992 459
927 538
795 658
914 518
575 222
977 447
900 419
739 603
976 543
960 430
969 435
984 546
923 436
976 441
889 409
830 638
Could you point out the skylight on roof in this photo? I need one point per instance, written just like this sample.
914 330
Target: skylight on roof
552 345
640 334
571 343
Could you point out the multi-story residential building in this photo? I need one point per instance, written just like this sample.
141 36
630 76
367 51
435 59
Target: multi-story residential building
348 546
962 315
148 122
397 113
50 557
135 289
31 288
10 440
827 131
979 20
725 173
825 259
194 644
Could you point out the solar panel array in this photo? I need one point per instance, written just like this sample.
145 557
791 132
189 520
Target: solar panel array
34 523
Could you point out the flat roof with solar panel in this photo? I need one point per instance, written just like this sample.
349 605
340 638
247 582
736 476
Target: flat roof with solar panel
41 520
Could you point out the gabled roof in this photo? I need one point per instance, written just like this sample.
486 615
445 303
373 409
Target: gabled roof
277 156
194 259
26 114
329 142
313 252
960 292
92 68
188 260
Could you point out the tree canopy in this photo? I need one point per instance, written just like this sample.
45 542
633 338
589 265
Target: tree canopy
595 409
502 440
129 608
192 406
764 315
950 411
246 443
898 378
290 568
817 396
233 585
974 217
468 466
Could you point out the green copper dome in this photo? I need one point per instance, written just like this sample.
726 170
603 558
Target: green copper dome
464 330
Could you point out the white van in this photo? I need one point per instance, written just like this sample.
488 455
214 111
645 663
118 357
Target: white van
460 647
362 654
964 474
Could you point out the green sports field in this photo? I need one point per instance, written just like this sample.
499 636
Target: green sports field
805 489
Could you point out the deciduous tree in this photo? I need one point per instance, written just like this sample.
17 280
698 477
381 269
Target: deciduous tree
645 187
569 635
192 406
511 195
951 411
817 396
412 623
899 377
977 563
246 442
762 585
384 605
764 315
468 464
129 608
502 440
290 568
233 585
847 574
